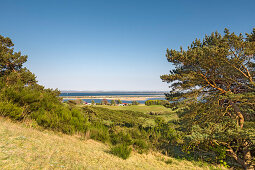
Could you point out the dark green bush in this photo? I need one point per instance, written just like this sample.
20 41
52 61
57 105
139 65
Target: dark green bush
121 138
122 150
141 146
169 161
99 132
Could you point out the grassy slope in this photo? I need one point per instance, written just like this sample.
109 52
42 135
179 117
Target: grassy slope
27 148
168 114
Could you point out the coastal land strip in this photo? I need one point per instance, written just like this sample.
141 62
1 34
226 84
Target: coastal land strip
130 98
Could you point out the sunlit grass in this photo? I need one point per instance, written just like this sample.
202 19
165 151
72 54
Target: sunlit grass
22 147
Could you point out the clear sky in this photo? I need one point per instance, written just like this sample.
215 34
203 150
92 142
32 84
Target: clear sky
113 44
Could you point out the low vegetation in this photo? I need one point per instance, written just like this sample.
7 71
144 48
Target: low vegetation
156 102
122 150
141 108
25 147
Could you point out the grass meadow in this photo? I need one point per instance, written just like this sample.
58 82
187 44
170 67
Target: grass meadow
26 147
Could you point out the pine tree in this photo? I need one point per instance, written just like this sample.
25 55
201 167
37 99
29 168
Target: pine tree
11 64
214 80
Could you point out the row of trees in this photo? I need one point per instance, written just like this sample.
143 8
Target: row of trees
116 102
156 102
213 81
113 102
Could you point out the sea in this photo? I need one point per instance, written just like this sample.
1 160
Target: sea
158 95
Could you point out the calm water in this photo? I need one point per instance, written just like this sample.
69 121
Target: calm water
156 94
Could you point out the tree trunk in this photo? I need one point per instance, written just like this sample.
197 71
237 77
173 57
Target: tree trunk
239 114
246 162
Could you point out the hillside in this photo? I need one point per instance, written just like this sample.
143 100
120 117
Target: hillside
23 147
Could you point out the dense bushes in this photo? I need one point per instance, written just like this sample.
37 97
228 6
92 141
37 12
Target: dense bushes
140 145
122 150
123 127
11 110
156 102
42 105
99 131
118 138
62 118
117 117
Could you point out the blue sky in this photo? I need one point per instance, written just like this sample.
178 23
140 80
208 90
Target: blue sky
113 44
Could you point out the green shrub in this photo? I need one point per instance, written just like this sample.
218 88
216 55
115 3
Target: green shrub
11 110
121 138
61 118
122 150
156 102
169 161
99 132
141 146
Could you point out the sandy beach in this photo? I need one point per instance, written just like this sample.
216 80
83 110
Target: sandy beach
130 98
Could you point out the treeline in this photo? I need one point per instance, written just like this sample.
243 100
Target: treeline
156 102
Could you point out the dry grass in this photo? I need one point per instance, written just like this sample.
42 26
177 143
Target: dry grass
22 147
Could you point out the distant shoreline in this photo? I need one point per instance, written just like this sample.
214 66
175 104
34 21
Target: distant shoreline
130 98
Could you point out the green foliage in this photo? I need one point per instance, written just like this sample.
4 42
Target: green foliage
119 117
213 80
11 110
118 138
100 132
92 102
62 119
169 161
113 102
118 101
135 103
21 97
156 102
104 102
121 150
140 145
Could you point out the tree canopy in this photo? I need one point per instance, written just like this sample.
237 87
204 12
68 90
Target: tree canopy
11 64
22 98
214 79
